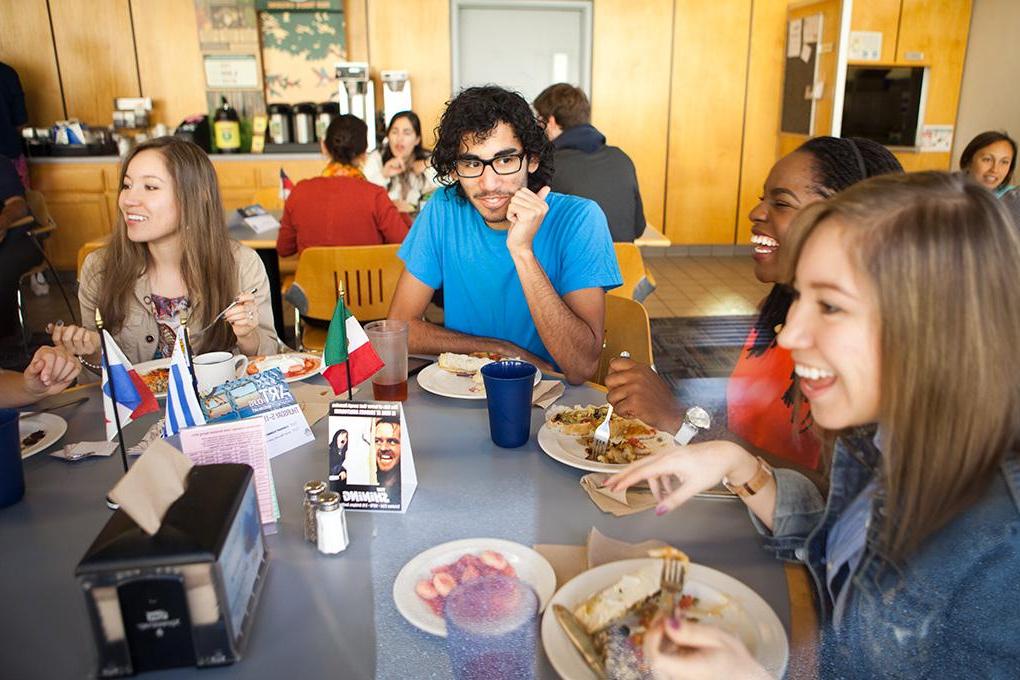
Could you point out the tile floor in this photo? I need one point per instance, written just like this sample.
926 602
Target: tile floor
703 286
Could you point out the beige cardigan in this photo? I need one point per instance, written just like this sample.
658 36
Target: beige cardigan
138 334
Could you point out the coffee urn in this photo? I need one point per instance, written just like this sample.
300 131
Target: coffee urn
279 123
324 115
304 123
396 93
357 94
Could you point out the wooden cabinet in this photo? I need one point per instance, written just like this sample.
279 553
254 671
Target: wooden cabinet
80 218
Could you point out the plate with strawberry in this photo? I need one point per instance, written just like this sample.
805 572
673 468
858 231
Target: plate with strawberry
421 587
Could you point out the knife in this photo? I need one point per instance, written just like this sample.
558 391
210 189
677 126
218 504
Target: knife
577 634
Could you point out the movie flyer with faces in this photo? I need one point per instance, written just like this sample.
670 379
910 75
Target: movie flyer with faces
370 461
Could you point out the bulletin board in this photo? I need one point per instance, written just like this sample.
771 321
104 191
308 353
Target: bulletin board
800 74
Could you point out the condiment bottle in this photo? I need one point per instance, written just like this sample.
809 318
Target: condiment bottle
227 128
331 524
313 493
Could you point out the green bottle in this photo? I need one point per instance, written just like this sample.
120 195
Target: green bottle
227 128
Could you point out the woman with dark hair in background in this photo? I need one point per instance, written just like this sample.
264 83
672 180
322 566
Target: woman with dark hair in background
990 159
403 165
341 208
762 411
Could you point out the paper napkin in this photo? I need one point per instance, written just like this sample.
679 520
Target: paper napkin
314 399
617 503
546 392
570 560
153 483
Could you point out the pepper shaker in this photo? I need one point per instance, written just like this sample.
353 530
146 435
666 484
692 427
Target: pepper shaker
313 492
331 524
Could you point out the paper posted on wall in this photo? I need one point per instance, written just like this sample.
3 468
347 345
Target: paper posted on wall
370 461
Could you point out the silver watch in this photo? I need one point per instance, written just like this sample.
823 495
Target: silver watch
695 419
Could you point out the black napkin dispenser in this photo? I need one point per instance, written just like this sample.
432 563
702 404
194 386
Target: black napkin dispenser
187 595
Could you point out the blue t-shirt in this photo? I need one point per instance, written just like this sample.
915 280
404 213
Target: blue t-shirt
451 247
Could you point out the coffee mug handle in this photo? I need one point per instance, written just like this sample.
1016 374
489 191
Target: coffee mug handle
240 366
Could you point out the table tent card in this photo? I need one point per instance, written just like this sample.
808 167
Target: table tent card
370 460
264 394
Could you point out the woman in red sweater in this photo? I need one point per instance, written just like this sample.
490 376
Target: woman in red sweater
341 208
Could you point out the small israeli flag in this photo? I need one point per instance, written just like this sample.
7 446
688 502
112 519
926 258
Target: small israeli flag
183 409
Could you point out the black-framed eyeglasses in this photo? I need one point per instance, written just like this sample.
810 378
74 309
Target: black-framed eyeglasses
501 165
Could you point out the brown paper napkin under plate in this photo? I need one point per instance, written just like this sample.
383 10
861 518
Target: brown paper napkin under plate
570 560
617 503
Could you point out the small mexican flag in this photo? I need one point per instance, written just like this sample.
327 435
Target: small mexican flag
346 342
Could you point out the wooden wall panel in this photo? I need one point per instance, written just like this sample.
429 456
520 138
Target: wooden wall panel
635 79
26 44
938 30
356 28
169 60
706 119
97 57
413 35
762 112
878 15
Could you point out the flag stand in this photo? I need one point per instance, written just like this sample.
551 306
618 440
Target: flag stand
339 288
113 392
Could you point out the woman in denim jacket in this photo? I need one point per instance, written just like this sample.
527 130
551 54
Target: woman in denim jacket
903 334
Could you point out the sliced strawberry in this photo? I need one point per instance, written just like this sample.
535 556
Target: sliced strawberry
469 574
426 590
444 583
493 559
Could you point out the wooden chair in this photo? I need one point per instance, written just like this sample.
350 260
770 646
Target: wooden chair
44 226
628 256
627 329
369 277
84 251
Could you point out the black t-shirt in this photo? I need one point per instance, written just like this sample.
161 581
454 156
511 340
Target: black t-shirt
10 183
12 112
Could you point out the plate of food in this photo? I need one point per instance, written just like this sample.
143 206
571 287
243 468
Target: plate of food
155 374
459 375
38 431
422 585
567 435
294 365
614 602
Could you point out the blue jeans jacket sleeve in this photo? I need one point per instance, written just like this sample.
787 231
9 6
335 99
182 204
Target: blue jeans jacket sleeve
799 509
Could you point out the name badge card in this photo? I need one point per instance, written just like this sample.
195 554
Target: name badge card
264 395
370 460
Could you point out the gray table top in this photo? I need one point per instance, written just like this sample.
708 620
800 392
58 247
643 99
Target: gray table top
330 614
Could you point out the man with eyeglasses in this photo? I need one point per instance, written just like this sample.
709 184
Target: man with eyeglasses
523 271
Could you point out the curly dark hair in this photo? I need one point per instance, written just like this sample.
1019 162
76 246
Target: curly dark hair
838 162
476 111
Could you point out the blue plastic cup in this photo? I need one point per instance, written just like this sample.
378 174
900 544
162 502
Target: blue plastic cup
491 629
12 475
508 388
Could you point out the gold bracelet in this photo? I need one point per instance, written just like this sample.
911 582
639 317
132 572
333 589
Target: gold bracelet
757 482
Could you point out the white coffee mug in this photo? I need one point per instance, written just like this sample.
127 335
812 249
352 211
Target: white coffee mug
212 369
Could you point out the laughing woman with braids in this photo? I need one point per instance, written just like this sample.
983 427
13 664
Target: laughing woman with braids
761 409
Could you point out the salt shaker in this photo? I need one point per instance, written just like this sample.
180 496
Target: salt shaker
313 491
331 524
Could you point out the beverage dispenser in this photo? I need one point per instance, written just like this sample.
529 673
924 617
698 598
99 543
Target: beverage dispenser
396 93
357 94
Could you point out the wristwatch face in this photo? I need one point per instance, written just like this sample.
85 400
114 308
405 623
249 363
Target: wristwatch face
698 417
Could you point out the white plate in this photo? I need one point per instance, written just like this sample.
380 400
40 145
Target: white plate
147 366
531 568
746 615
437 381
53 425
285 362
569 450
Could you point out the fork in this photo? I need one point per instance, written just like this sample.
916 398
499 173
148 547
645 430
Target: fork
600 440
673 574
220 315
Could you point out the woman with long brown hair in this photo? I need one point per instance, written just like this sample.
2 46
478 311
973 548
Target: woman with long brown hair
903 331
170 255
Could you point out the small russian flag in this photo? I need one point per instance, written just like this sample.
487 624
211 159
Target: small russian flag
134 398
285 185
